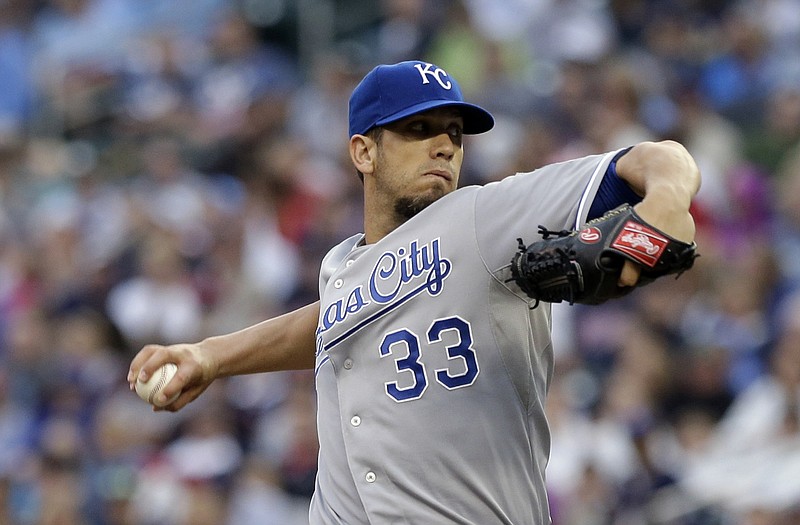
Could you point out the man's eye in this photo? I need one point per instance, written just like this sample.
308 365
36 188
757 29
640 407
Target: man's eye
455 131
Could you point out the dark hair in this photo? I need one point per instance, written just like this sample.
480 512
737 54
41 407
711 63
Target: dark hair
375 134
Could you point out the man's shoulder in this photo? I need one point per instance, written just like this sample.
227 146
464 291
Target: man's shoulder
458 196
337 254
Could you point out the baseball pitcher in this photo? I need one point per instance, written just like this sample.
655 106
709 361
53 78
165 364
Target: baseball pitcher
431 342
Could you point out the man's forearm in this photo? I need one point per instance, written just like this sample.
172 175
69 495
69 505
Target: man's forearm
668 178
286 342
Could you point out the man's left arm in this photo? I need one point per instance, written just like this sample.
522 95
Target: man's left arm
667 177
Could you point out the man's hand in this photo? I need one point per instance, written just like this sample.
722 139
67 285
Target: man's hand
585 266
196 371
678 223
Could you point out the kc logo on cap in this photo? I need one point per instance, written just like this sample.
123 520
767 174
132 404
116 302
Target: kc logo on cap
436 72
392 92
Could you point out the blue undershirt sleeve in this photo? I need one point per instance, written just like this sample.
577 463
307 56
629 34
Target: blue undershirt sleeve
613 191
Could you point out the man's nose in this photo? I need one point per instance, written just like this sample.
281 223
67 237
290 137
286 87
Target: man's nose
443 146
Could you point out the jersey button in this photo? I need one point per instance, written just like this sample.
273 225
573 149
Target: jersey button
348 364
355 421
349 263
338 283
370 477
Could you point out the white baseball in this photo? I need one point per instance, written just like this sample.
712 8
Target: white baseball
148 390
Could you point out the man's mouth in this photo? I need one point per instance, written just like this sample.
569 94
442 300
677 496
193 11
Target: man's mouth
446 175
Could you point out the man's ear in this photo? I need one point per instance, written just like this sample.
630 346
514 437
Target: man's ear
362 153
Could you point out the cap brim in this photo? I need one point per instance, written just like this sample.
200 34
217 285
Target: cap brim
476 119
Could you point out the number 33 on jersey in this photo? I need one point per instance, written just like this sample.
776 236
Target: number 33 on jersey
396 278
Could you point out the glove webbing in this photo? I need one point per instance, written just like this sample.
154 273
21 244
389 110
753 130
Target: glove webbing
560 276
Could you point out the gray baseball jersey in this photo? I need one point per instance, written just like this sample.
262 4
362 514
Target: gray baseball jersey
432 368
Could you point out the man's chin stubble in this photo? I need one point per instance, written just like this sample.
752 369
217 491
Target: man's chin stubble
407 207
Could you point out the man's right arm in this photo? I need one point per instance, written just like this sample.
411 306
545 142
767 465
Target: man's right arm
286 342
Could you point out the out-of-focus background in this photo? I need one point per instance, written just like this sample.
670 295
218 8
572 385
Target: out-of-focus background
173 169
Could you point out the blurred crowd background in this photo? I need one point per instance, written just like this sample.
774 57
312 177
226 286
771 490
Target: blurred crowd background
173 169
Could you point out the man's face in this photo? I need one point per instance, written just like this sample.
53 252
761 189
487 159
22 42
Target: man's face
419 160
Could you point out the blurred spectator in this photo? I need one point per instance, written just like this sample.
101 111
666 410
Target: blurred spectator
772 142
735 80
769 410
16 435
321 104
26 356
172 196
259 498
61 487
241 94
746 466
79 48
456 44
159 304
572 31
157 82
613 121
286 437
406 28
16 100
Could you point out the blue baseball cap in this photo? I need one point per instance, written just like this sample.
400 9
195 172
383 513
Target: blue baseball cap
392 92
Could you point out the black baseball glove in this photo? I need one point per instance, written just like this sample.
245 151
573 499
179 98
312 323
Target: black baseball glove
583 266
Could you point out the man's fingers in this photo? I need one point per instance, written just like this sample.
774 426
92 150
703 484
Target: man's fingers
189 381
629 275
144 363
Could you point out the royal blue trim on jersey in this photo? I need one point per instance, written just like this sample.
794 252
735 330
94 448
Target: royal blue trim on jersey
324 360
613 191
594 181
377 315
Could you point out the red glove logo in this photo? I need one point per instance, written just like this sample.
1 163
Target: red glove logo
590 235
641 243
